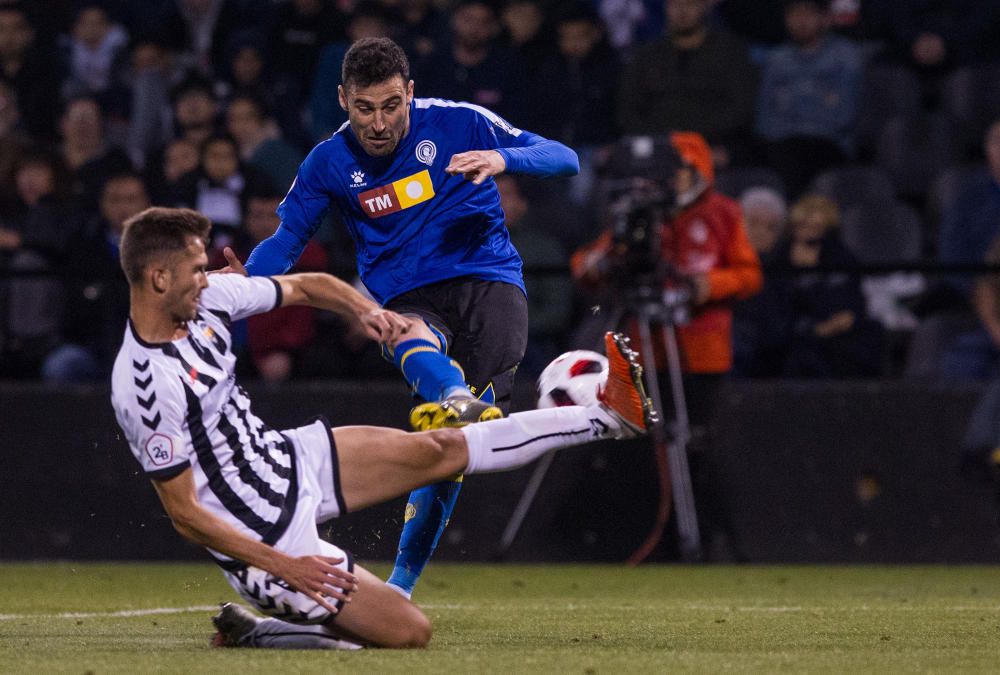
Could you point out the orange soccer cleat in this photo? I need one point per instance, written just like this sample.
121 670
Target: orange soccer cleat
624 395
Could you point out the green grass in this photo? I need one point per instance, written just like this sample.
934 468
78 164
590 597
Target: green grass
534 619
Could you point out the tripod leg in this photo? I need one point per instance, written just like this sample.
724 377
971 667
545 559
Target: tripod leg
524 504
660 442
680 473
538 475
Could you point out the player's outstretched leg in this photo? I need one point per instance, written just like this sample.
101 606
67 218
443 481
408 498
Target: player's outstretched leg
379 464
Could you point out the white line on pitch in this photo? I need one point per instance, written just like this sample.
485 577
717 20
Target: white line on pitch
122 613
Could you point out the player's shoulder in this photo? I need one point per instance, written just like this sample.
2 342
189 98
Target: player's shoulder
336 143
444 111
141 371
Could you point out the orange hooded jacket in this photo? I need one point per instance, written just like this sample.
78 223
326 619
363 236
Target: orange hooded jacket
707 237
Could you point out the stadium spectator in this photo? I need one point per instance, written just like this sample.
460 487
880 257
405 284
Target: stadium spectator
14 141
35 239
679 82
260 143
195 113
808 100
972 220
149 76
830 333
297 33
29 70
180 157
574 95
764 211
982 435
705 243
929 36
95 284
278 340
474 65
529 33
94 51
86 151
200 31
195 108
968 227
219 189
630 22
549 292
759 331
423 27
368 20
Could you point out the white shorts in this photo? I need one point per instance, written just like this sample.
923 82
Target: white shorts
319 500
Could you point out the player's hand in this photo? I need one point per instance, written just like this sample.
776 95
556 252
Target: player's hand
477 165
234 266
382 325
319 578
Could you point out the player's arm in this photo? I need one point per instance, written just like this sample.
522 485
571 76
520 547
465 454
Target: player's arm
506 148
327 292
315 576
301 212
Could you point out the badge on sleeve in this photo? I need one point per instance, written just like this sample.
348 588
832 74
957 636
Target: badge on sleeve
160 449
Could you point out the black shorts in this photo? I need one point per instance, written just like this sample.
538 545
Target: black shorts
485 324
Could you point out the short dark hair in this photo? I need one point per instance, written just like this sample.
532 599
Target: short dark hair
373 60
156 233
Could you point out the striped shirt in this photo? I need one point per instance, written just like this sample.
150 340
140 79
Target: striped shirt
179 406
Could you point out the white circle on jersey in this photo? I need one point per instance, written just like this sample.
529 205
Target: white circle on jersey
426 152
414 189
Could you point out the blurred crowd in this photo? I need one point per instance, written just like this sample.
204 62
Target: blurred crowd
849 131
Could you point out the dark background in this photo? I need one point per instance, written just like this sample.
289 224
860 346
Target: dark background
813 472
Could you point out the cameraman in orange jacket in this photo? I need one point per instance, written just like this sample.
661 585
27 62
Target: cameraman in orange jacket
703 239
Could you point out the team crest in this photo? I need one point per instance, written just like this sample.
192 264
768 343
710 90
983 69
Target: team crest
160 449
426 152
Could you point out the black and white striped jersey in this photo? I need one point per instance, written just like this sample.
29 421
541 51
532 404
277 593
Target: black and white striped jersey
179 406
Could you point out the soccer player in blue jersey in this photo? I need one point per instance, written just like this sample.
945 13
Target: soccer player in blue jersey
413 181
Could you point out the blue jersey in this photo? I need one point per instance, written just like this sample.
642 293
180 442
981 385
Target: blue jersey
412 223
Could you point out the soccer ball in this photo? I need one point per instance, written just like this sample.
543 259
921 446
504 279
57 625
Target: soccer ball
572 379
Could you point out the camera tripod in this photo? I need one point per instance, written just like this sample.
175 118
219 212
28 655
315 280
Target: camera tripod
648 304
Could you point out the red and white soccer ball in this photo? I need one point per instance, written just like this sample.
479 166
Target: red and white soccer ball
572 379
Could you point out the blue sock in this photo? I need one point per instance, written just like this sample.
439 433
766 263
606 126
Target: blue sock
429 371
427 512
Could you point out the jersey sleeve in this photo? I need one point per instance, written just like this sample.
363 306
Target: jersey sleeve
301 212
150 411
527 153
239 296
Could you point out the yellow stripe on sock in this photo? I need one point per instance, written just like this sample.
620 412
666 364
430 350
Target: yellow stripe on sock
414 350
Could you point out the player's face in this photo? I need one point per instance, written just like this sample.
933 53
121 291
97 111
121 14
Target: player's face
186 280
379 114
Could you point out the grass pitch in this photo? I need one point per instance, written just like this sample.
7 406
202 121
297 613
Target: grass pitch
137 618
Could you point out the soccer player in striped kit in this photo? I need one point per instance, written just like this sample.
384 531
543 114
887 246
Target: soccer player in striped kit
412 179
253 495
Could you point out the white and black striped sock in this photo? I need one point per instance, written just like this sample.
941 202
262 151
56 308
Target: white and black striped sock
510 443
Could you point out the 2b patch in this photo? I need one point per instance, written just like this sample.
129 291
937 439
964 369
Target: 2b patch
160 449
398 195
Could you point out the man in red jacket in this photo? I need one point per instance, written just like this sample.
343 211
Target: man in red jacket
704 240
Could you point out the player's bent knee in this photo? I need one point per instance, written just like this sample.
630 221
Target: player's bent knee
450 455
417 634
